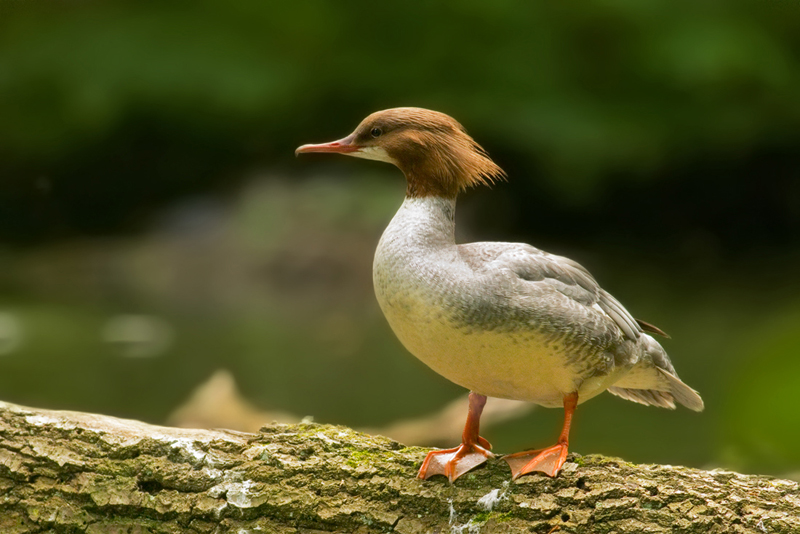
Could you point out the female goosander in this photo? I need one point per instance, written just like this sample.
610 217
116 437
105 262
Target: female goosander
503 320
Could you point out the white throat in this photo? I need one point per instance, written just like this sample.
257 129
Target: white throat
372 152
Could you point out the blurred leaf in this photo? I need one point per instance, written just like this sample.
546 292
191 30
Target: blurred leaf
762 422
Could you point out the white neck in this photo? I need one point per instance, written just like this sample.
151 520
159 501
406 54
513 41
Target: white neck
427 222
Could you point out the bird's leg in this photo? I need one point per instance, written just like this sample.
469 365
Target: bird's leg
473 451
549 460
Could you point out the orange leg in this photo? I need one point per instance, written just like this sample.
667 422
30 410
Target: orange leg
473 451
549 460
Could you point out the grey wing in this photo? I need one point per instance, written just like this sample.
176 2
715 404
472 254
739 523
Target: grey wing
563 274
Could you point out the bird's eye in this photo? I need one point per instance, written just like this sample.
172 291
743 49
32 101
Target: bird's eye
376 132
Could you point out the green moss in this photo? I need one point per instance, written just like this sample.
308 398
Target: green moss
356 458
505 516
362 457
482 518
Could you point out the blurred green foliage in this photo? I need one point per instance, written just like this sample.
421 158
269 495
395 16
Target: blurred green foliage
657 142
154 100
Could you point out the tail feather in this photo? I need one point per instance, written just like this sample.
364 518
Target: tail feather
653 381
648 397
683 393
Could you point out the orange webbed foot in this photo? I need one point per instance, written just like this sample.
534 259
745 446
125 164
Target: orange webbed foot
547 461
453 463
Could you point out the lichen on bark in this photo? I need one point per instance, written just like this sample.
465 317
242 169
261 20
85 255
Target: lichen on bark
74 472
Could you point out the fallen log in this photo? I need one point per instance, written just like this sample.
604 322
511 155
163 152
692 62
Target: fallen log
76 472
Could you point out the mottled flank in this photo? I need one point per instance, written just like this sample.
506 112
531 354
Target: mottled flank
64 472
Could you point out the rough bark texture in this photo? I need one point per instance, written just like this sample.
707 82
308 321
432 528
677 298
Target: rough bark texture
73 472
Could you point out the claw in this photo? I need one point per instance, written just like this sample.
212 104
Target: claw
453 463
473 451
548 461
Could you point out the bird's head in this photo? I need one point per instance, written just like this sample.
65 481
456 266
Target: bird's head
432 149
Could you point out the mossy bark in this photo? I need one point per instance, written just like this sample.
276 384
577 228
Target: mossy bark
71 472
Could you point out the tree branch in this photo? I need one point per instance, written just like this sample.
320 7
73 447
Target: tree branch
75 472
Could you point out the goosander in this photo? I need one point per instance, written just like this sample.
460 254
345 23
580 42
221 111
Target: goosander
503 320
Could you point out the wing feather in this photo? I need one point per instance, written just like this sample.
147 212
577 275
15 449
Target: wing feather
565 275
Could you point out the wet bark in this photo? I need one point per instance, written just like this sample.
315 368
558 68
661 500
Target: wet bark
75 472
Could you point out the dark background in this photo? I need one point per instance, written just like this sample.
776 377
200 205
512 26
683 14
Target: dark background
155 225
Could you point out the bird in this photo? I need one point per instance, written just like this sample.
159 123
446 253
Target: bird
503 320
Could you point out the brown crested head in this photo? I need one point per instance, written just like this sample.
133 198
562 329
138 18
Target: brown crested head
432 149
